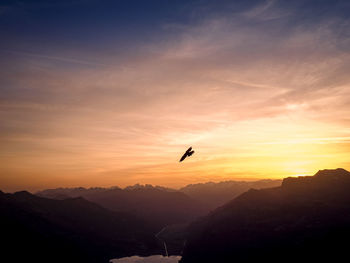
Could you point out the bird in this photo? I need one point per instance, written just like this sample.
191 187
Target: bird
188 153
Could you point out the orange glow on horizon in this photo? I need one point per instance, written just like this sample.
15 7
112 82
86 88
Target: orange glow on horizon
274 149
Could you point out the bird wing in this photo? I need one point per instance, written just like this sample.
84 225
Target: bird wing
189 149
183 157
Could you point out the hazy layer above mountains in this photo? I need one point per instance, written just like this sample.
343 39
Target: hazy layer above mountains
306 218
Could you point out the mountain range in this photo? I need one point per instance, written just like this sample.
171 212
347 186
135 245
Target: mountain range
160 205
37 229
214 195
305 219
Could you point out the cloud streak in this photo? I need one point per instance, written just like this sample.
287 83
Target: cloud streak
62 59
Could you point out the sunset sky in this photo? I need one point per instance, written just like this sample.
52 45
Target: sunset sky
103 93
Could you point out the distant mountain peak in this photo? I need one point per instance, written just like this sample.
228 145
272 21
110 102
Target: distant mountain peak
148 187
23 194
324 179
333 172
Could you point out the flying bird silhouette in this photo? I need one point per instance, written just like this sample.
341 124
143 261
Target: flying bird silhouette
188 153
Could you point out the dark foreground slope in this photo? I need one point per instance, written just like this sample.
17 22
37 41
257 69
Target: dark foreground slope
307 219
154 204
35 229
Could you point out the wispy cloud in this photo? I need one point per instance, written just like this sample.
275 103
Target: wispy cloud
55 58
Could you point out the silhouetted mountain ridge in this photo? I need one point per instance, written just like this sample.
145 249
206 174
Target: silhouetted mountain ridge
149 186
323 179
305 218
37 229
217 194
162 205
154 204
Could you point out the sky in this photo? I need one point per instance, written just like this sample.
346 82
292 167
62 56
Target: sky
105 93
